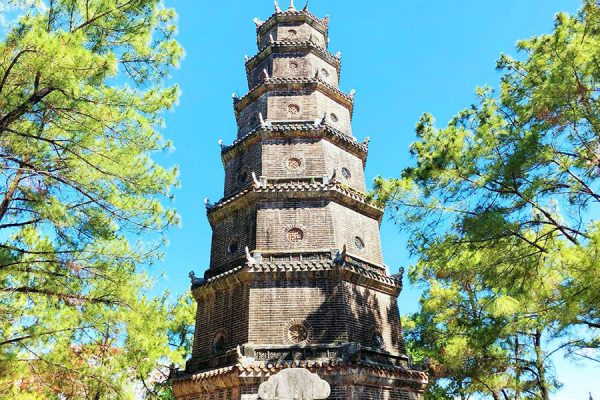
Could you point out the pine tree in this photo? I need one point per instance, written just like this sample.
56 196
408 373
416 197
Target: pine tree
502 206
83 85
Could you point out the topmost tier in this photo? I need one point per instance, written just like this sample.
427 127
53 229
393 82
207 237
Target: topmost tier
292 25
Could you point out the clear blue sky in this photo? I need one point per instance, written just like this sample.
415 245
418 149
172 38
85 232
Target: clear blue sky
402 57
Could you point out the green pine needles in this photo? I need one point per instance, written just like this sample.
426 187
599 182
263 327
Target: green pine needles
83 85
503 207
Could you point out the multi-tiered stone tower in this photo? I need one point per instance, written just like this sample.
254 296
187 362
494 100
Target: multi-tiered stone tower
296 276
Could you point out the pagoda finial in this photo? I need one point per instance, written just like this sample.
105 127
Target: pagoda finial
292 7
277 9
305 9
258 22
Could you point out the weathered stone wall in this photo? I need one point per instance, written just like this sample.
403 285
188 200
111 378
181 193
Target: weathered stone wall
294 106
351 228
370 311
292 31
340 392
336 159
238 170
288 158
226 312
276 305
240 225
276 219
293 65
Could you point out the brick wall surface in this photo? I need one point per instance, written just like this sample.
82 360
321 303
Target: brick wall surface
276 157
224 312
238 170
369 311
292 31
240 225
274 306
340 392
350 225
294 106
276 219
337 158
293 65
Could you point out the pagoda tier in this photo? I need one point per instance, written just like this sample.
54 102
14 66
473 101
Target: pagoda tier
296 275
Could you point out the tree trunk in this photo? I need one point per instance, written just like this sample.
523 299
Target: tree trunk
543 385
10 192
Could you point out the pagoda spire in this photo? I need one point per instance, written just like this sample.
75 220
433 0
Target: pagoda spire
277 9
292 6
305 9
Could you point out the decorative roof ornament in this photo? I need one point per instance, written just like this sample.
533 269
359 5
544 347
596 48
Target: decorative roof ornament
338 54
263 123
207 203
325 20
249 259
340 258
194 280
399 275
265 73
271 38
333 179
258 22
292 6
367 140
352 93
220 142
324 119
305 9
277 9
257 183
246 57
234 96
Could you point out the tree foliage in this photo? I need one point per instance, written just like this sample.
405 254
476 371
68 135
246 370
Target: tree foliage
502 206
83 86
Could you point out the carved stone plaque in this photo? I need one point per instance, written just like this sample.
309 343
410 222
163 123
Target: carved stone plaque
294 384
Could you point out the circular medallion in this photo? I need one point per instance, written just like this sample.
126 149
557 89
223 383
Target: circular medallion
295 235
334 118
297 333
293 110
294 163
346 173
359 243
293 65
324 72
292 33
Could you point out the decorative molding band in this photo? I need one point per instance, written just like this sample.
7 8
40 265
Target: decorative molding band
280 46
334 371
288 16
298 83
334 191
305 130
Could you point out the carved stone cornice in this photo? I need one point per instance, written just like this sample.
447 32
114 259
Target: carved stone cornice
332 370
292 46
291 16
338 192
304 130
294 83
348 271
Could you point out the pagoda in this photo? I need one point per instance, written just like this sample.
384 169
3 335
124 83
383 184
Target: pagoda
296 276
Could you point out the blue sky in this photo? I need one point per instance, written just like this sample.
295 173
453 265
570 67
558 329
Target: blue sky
403 58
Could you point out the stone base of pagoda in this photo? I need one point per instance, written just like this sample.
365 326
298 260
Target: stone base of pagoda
361 380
